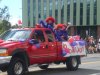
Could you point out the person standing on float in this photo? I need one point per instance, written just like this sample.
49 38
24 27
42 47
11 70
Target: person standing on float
48 23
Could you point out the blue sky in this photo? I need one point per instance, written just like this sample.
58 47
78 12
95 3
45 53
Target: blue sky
15 9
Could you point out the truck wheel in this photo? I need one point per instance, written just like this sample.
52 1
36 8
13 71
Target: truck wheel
72 63
16 67
43 66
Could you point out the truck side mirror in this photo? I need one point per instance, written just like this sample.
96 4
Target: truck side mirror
33 41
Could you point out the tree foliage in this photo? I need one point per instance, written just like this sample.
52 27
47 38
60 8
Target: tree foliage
4 13
4 25
15 26
4 19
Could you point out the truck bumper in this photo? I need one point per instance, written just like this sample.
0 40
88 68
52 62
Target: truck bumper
4 62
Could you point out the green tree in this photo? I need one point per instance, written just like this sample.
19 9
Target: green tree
5 25
4 13
4 19
15 26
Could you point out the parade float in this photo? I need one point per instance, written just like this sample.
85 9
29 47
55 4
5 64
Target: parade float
23 47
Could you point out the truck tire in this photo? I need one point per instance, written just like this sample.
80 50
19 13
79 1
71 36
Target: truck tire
72 63
16 67
43 66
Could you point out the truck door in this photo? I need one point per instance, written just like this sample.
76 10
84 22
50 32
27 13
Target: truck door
40 54
52 48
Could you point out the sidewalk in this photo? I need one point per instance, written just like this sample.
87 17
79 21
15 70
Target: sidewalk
93 55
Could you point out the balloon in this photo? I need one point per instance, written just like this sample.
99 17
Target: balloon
82 43
70 40
19 22
73 43
77 37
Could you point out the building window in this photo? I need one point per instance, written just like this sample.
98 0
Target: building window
50 36
45 8
81 12
28 1
68 11
34 11
95 12
56 11
39 9
74 12
50 10
88 12
38 35
62 11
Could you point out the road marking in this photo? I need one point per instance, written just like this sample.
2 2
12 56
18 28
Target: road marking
96 74
91 62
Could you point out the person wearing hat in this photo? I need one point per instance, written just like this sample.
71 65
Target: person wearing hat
61 32
98 45
58 32
65 31
48 23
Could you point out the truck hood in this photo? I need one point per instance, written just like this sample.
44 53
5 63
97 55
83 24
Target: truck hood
7 44
1 41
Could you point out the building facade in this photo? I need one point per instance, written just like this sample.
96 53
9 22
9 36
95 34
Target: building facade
84 15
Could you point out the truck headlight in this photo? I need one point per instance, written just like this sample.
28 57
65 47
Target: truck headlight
3 52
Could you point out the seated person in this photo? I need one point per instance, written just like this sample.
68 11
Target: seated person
61 32
58 32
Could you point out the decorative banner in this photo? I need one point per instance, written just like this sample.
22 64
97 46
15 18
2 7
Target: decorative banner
78 48
64 52
82 43
73 43
71 39
76 37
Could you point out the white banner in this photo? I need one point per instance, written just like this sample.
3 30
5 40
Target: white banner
73 50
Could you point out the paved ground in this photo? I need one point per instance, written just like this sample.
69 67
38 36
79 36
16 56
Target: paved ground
90 66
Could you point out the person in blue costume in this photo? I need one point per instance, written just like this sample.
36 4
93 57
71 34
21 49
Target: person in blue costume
48 23
65 31
58 32
61 32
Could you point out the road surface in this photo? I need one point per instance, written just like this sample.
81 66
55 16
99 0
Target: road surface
90 66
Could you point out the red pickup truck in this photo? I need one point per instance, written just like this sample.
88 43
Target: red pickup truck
20 48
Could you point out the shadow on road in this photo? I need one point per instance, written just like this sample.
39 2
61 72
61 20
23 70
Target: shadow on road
63 71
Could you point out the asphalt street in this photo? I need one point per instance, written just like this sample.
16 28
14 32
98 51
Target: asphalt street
90 66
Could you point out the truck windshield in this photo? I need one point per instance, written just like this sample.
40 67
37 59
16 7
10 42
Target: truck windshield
15 35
